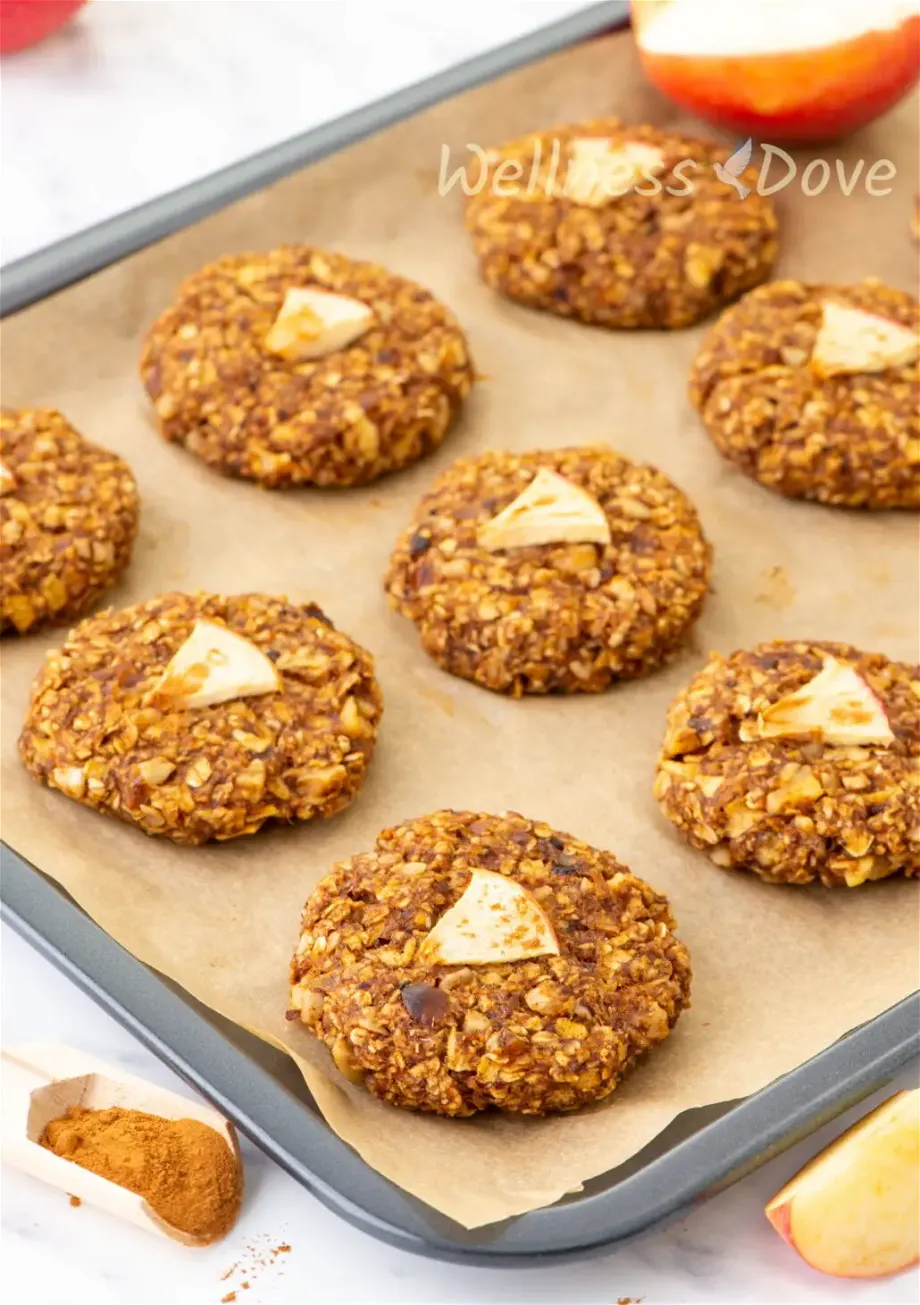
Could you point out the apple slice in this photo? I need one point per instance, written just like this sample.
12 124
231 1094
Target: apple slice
599 171
837 705
215 665
312 323
7 480
495 920
854 1211
850 341
551 510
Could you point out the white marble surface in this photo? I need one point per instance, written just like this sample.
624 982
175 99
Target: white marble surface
138 97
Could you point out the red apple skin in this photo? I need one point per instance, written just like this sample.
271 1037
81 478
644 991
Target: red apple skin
797 97
779 1217
26 22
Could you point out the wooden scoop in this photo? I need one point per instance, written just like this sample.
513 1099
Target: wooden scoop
40 1080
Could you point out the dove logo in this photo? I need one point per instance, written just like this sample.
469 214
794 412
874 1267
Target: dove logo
732 170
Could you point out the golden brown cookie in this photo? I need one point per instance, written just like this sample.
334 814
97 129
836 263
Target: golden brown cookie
411 988
606 592
807 396
798 761
579 221
68 517
266 713
299 366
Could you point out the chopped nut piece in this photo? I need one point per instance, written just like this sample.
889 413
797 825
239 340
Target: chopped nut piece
475 1022
215 665
312 323
837 705
495 920
156 771
345 1061
600 170
709 785
850 340
547 998
198 772
70 780
804 786
7 481
550 510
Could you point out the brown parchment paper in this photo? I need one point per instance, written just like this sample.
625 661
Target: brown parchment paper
779 973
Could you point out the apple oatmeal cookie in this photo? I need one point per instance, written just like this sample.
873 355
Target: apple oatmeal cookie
299 366
579 221
68 518
813 391
798 761
551 572
471 961
198 717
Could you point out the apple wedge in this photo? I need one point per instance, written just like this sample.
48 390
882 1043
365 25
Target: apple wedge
836 705
551 510
854 1210
313 323
495 920
215 665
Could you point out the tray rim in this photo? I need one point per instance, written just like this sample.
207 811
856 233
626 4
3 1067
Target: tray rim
38 275
717 1155
712 1158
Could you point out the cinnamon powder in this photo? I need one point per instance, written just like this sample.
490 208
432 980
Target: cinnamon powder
184 1169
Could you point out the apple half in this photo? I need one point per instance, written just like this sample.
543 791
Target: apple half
854 1210
779 70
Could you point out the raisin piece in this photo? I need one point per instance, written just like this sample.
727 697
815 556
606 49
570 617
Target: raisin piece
318 614
424 1002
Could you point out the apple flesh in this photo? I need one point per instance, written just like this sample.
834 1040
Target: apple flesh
781 71
854 1210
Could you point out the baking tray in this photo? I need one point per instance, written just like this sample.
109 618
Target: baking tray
261 1090
257 1086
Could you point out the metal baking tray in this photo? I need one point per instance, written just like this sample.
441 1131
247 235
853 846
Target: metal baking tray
258 1087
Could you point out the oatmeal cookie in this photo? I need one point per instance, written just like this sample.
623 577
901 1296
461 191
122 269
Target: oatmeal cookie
547 1033
778 385
553 617
578 221
109 727
798 761
299 367
68 517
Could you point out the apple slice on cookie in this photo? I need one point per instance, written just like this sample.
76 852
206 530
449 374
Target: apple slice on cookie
837 705
854 1211
215 665
494 921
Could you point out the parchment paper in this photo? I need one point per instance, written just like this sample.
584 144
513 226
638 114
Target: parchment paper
779 973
